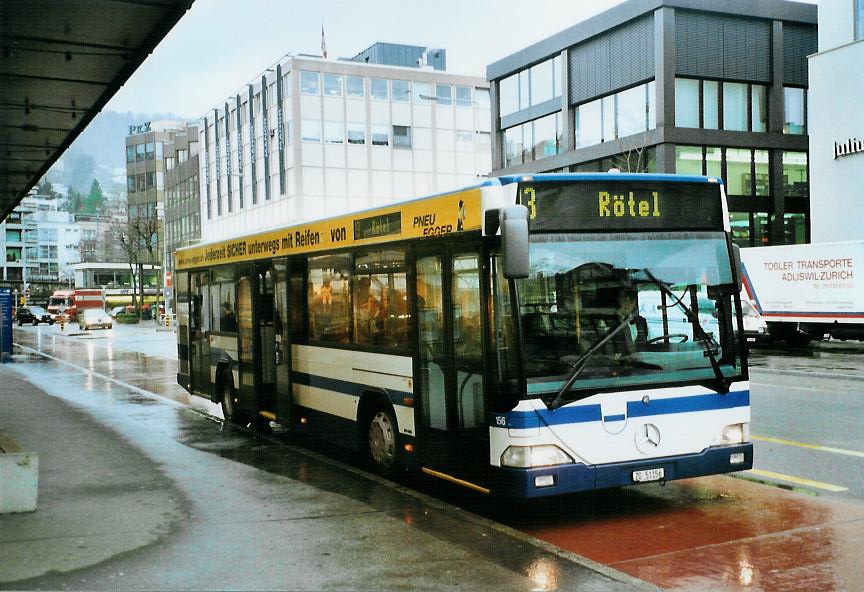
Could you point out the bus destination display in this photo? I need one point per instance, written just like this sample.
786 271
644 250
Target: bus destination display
623 206
377 226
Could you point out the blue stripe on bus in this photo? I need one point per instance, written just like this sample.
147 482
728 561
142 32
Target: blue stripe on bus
532 419
589 413
355 389
689 404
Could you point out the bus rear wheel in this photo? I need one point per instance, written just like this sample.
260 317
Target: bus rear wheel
382 441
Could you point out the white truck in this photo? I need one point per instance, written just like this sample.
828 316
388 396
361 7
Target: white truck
805 292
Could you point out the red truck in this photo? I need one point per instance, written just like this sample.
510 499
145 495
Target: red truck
70 303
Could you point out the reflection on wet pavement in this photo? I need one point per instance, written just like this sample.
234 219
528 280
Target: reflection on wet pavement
701 534
276 455
710 533
156 375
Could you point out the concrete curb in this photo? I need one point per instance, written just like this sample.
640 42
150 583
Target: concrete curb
19 477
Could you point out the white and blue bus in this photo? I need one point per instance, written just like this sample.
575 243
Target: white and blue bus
526 336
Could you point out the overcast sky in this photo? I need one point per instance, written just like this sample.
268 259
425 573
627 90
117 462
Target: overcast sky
222 44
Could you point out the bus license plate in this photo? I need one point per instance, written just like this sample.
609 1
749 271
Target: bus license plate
648 475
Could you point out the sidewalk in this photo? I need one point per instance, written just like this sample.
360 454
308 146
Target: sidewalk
166 498
98 496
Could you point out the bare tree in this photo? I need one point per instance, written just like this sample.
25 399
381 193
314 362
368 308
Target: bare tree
137 241
143 236
634 160
128 245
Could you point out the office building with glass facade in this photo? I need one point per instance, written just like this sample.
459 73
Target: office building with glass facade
311 138
147 161
182 193
671 86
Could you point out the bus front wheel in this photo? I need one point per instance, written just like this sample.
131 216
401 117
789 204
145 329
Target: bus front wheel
382 441
229 404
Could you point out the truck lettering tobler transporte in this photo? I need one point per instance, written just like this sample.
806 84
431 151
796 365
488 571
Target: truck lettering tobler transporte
527 336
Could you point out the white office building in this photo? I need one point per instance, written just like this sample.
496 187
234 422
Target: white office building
836 123
310 138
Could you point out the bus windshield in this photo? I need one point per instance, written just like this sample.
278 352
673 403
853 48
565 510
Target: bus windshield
673 291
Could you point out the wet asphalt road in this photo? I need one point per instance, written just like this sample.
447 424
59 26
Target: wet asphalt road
718 532
241 510
808 417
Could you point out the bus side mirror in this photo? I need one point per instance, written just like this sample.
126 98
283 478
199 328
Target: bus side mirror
514 241
738 270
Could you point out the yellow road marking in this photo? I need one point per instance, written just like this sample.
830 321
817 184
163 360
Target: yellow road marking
810 446
447 477
797 480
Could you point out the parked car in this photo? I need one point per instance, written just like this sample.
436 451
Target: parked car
116 311
33 314
94 318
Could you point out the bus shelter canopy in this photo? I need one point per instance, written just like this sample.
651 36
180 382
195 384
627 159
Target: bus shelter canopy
61 61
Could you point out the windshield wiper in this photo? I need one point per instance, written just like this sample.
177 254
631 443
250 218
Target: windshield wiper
579 364
706 339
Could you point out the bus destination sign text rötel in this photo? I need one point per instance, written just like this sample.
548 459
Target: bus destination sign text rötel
622 206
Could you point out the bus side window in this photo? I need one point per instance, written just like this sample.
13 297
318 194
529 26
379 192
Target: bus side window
204 300
297 307
329 299
380 299
195 312
214 308
227 308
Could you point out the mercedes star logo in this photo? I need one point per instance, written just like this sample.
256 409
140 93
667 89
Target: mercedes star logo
648 438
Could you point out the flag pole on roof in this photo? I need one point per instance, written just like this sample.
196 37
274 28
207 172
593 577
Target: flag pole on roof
323 43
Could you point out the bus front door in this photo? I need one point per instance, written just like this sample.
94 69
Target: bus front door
449 387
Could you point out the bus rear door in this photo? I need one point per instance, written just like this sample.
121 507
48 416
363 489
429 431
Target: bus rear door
199 326
264 342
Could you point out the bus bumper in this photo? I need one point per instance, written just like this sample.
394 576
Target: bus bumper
523 483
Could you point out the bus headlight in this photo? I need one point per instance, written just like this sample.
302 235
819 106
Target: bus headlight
544 455
736 433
